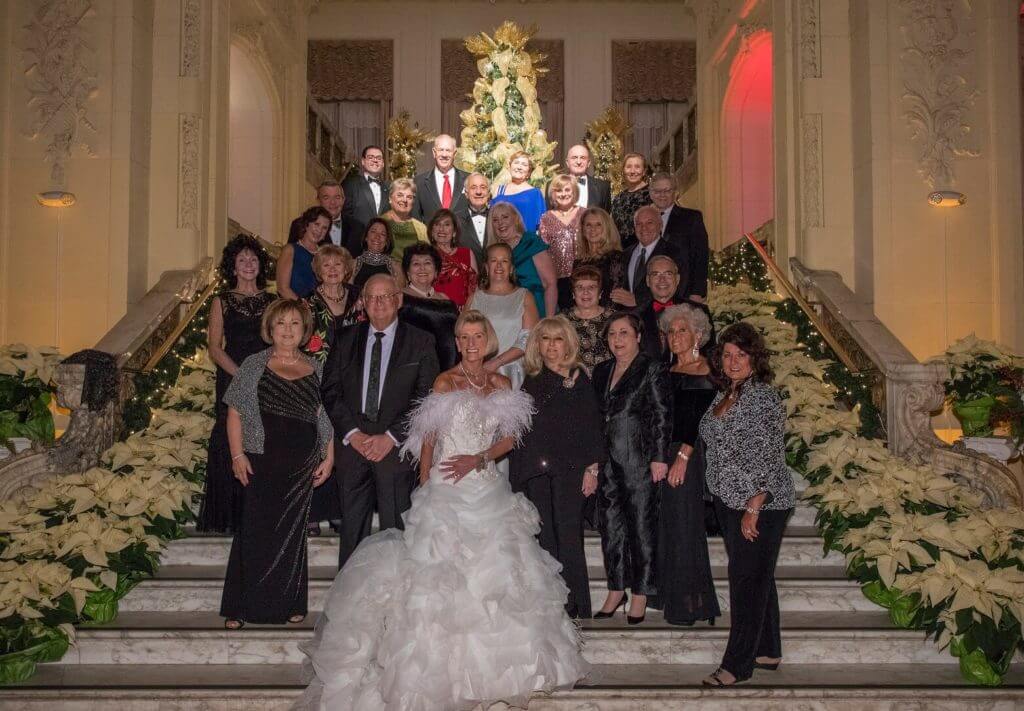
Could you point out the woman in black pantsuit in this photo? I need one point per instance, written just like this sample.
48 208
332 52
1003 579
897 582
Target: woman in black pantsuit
635 400
557 464
744 432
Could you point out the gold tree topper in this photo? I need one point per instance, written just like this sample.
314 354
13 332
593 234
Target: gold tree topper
405 138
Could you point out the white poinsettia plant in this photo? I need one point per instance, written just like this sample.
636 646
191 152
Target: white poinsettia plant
70 550
26 389
920 543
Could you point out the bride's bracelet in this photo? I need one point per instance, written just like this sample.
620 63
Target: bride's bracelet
482 459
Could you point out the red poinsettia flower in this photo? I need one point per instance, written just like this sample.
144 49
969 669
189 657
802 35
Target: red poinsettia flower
315 343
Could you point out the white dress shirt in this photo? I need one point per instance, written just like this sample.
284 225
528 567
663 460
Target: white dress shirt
336 232
375 189
386 344
439 182
584 187
665 214
640 249
480 225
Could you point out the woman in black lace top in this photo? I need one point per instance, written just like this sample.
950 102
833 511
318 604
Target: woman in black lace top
744 431
234 335
634 195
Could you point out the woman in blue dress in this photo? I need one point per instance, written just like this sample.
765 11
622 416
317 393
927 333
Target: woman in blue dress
520 194
295 278
534 269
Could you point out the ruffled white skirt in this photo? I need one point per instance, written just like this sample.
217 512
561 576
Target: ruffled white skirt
461 609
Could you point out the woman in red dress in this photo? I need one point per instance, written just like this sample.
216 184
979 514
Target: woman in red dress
458 276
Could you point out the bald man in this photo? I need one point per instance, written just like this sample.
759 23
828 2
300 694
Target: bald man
442 185
594 192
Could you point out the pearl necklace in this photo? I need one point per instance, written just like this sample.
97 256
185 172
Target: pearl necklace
470 378
280 357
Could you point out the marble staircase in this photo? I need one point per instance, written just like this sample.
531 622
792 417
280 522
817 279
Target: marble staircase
168 649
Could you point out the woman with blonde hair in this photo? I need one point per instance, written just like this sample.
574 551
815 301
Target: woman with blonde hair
634 195
560 230
599 247
406 230
556 466
518 192
534 269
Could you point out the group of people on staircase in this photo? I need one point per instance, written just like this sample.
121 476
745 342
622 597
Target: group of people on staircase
490 374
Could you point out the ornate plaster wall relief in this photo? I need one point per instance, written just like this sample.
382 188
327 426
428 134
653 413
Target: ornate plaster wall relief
812 209
191 32
810 39
60 80
717 11
937 93
189 136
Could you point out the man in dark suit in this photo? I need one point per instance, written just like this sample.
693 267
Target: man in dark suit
331 197
684 228
442 185
366 197
473 220
594 192
374 374
663 282
650 244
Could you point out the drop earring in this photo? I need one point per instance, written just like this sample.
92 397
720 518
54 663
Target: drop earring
696 347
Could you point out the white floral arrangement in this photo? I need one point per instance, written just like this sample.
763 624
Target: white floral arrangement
71 550
26 390
919 543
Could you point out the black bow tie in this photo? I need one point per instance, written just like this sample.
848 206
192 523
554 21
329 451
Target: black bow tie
371 179
478 213
582 180
336 223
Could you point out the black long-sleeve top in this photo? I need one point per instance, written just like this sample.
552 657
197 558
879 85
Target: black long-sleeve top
637 412
567 433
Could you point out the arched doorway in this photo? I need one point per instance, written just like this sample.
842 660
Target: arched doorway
748 139
253 132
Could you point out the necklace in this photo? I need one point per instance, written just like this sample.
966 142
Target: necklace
428 294
470 378
333 299
280 357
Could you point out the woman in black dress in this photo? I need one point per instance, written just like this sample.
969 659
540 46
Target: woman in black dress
556 465
233 336
425 307
376 257
686 589
332 305
635 194
588 317
638 428
282 446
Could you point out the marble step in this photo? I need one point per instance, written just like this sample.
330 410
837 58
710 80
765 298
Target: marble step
323 551
808 638
613 687
198 588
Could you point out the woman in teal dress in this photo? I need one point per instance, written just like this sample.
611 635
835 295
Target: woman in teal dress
535 271
405 229
520 194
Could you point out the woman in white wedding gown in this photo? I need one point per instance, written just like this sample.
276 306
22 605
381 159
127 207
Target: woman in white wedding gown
463 608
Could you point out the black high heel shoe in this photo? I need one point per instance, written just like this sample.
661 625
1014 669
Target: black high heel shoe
630 620
601 615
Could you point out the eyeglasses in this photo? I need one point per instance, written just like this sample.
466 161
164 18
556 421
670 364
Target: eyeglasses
375 159
380 298
661 190
658 275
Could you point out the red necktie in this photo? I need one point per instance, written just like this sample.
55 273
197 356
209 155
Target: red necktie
446 193
661 306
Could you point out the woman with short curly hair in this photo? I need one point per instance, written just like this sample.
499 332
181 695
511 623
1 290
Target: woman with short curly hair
744 433
233 335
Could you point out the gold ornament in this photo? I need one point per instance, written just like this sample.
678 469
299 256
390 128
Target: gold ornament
604 138
404 142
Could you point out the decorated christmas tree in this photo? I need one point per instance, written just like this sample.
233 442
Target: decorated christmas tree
505 116
604 137
405 140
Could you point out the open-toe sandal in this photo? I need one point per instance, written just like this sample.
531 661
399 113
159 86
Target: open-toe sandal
296 619
715 679
232 625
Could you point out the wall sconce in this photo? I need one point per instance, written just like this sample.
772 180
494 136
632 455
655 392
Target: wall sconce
56 198
946 198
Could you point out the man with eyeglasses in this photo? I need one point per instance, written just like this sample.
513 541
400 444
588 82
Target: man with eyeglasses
367 194
374 374
685 229
663 282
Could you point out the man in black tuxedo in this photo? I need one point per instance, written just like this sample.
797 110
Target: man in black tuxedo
684 228
473 220
367 197
663 282
594 192
442 185
650 244
374 374
331 197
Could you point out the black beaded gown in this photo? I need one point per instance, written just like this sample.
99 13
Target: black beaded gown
686 589
222 498
267 578
436 317
624 205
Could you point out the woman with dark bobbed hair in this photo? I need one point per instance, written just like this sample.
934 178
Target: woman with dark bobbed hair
636 399
233 335
744 434
425 307
376 256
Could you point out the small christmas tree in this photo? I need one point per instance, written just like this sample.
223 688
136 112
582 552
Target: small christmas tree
604 137
505 116
404 142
